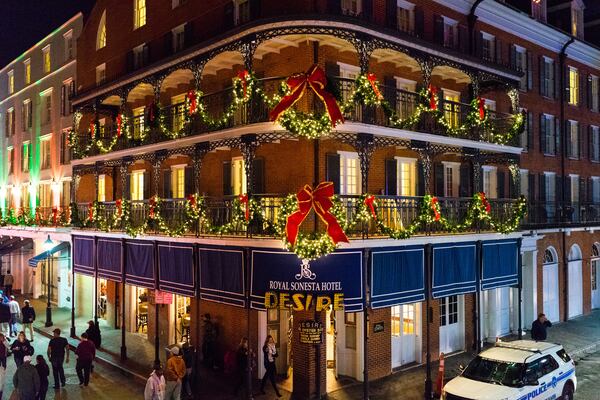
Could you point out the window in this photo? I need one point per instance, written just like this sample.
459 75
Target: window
452 109
45 195
46 57
403 320
100 74
448 307
66 94
47 103
45 152
68 45
573 87
595 143
537 369
27 71
405 102
10 155
102 187
548 134
140 56
177 111
576 20
488 46
594 83
490 184
179 38
595 189
550 180
520 64
101 35
350 322
351 7
406 16
348 72
138 122
10 122
139 13
524 183
451 178
137 184
26 115
25 157
538 10
407 179
349 173
547 77
238 176
11 81
242 11
562 354
550 256
65 149
178 181
450 33
573 137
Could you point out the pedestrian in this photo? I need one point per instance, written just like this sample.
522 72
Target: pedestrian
209 341
4 318
21 348
86 352
43 372
269 355
538 328
174 374
243 355
28 313
26 380
93 332
3 355
15 314
58 352
188 359
155 385
9 280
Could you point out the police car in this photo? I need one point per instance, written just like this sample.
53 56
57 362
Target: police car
519 370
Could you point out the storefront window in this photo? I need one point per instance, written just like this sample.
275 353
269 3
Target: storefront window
141 311
102 298
350 319
182 318
396 312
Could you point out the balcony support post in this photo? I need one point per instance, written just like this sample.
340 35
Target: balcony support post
426 154
97 168
365 146
248 48
123 169
157 161
74 184
364 48
426 70
513 168
248 146
513 94
200 151
477 177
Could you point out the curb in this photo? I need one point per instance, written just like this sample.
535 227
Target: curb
101 360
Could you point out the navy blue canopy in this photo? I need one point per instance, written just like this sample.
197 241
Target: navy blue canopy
108 259
83 255
222 275
176 268
454 269
139 268
500 259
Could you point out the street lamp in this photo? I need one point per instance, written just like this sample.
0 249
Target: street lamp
48 245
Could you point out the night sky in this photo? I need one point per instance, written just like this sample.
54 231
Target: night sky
23 23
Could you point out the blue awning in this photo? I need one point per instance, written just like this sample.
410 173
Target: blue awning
83 255
108 259
33 261
500 269
176 268
397 276
222 275
139 268
454 269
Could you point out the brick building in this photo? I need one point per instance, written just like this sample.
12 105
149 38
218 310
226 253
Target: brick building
172 131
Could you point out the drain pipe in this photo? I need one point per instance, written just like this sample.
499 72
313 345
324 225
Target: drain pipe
471 19
563 151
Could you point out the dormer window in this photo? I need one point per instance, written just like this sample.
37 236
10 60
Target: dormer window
406 16
577 19
11 82
101 39
351 7
538 10
450 32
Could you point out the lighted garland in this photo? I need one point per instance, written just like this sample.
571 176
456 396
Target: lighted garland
22 217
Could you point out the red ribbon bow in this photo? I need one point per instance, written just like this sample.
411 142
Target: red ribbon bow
119 204
92 129
373 81
90 211
243 199
119 125
243 76
192 199
316 79
152 209
318 199
432 97
192 99
485 202
434 206
370 201
54 215
481 105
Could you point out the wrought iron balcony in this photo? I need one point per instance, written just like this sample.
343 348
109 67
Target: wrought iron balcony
558 214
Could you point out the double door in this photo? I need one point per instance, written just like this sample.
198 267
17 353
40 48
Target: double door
595 285
405 334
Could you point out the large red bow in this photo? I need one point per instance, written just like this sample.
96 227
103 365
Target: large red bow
119 124
92 129
90 211
435 207
316 79
119 204
373 81
192 99
433 97
369 202
481 105
320 200
243 75
243 199
485 202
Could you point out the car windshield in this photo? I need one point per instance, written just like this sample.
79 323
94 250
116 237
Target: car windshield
493 371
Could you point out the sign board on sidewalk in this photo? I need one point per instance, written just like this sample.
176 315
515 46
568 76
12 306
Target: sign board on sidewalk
311 332
163 297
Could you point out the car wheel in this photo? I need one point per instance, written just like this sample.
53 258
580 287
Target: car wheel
567 393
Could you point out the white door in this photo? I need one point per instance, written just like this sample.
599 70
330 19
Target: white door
550 294
451 338
503 310
595 289
575 289
404 334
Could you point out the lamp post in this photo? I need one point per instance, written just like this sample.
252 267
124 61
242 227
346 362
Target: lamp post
48 244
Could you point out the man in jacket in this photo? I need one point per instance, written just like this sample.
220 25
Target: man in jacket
27 380
86 352
538 328
155 385
28 318
174 374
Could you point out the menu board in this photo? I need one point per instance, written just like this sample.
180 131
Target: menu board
311 332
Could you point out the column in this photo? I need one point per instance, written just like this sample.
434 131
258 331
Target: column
365 146
426 70
310 363
200 151
248 147
159 157
426 163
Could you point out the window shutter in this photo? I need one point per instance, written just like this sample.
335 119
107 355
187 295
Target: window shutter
391 177
438 29
557 135
463 38
129 61
542 68
167 192
513 190
145 55
188 33
589 196
500 184
421 178
332 168
228 21
464 187
499 46
30 116
543 134
391 14
530 127
332 69
478 51
188 184
367 9
440 99
258 171
567 130
589 92
227 189
542 193
168 43
513 56
582 190
567 189
567 87
255 9
63 97
529 70
582 89
439 179
419 21
580 141
557 87
389 91
531 187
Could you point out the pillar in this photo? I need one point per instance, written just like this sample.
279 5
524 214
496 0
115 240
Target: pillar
365 146
248 148
310 371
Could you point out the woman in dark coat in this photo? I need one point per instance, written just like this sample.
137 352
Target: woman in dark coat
93 332
43 371
21 348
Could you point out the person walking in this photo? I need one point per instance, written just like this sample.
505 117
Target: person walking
58 352
86 352
26 380
209 341
188 359
43 372
15 313
4 318
243 362
174 374
4 346
21 348
9 280
155 385
93 332
28 313
269 355
538 328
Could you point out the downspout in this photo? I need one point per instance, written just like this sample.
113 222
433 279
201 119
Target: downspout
561 65
471 19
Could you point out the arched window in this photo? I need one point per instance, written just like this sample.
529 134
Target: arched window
550 256
101 38
575 253
596 250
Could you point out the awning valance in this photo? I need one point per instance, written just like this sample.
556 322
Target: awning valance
222 275
500 259
33 261
454 269
83 255
176 268
139 268
108 259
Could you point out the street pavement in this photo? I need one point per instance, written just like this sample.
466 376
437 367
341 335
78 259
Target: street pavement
588 377
104 383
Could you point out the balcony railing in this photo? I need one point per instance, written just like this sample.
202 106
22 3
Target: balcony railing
404 103
548 214
396 212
